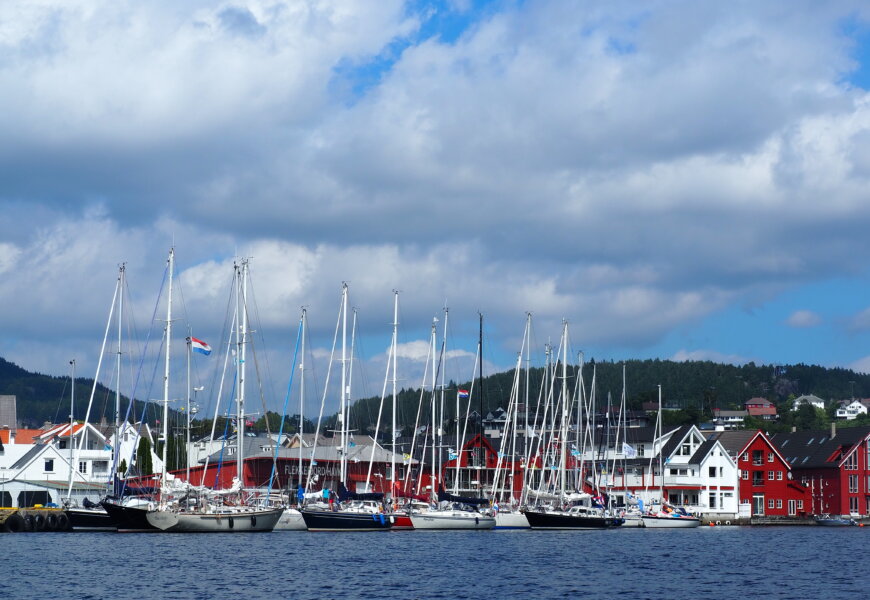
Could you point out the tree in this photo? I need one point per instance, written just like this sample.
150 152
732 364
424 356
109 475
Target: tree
143 456
122 468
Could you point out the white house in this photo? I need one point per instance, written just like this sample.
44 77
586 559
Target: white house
852 410
811 399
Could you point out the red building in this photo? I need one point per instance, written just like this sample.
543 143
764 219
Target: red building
834 465
767 481
761 407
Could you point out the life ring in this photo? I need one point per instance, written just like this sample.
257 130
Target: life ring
718 522
728 522
14 523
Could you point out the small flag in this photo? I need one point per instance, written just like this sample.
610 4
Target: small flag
451 454
530 432
628 450
351 444
463 394
200 346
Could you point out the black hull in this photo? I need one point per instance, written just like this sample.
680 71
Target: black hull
89 519
128 519
322 520
550 520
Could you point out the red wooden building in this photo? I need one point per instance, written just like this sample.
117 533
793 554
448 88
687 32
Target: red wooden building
767 481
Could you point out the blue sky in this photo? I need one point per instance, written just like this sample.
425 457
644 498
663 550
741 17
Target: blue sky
676 180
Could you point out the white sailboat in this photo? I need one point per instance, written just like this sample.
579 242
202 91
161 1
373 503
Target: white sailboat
667 516
204 516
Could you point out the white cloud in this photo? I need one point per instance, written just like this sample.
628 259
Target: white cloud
711 355
803 318
860 321
862 365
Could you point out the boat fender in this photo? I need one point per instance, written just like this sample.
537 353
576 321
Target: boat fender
231 522
392 519
253 521
476 521
29 524
14 523
728 522
62 522
51 522
718 522
712 524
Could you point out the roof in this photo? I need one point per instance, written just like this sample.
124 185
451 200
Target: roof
22 436
816 449
761 401
674 441
8 412
809 398
28 456
702 451
734 441
264 447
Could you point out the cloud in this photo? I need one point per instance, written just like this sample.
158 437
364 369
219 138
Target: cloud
803 318
862 365
860 321
708 355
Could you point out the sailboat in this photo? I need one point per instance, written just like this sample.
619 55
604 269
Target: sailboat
353 511
452 511
205 516
575 515
667 516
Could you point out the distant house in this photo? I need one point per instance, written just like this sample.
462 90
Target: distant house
761 408
851 410
728 419
811 399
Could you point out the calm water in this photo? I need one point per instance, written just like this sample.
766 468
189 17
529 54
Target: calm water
635 564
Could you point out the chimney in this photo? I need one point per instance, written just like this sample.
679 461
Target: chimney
793 429
833 430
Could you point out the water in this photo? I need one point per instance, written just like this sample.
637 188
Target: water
708 562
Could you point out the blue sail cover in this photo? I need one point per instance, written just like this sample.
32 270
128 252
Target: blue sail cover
344 495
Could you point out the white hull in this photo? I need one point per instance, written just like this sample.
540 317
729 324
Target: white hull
670 522
291 520
511 520
451 520
632 521
231 521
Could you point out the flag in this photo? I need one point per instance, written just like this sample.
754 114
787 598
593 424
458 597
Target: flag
530 432
463 394
200 346
451 454
628 450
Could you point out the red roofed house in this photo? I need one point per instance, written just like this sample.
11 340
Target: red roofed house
761 407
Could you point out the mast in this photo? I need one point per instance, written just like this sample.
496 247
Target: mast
480 368
564 429
393 479
187 429
118 367
72 402
243 344
661 471
342 408
301 394
526 397
168 330
434 433
443 367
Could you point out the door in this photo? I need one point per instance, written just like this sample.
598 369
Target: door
758 504
792 507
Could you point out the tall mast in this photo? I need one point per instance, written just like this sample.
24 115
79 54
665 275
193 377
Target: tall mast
72 403
661 471
443 367
243 345
118 365
564 432
342 416
301 395
434 379
165 434
526 398
187 429
480 368
393 428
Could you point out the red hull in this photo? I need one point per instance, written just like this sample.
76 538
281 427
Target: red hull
401 521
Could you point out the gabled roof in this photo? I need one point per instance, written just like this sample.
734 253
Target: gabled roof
702 451
816 449
22 436
678 436
734 441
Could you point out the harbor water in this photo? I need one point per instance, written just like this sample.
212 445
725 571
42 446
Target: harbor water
708 562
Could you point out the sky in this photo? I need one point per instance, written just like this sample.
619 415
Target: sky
676 180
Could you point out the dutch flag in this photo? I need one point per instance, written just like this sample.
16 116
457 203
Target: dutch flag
463 394
200 346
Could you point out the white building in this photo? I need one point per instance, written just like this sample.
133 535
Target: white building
811 399
852 410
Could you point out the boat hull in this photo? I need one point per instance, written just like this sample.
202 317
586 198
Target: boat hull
435 520
511 520
401 521
291 520
129 519
326 520
560 520
655 522
241 521
89 519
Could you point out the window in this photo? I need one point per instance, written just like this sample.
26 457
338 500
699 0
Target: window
792 508
853 484
800 504
779 475
685 450
851 462
721 471
83 466
712 499
770 457
770 503
744 474
779 502
746 457
757 478
49 465
757 458
712 471
853 505
771 475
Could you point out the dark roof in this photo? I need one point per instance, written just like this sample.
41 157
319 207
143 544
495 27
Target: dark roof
702 451
733 441
816 449
28 456
675 440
